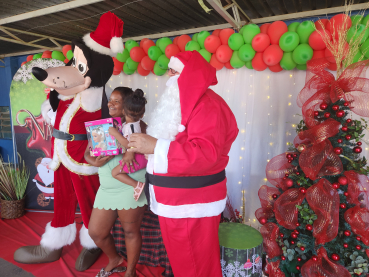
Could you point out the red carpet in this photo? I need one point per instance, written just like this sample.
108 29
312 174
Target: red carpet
28 229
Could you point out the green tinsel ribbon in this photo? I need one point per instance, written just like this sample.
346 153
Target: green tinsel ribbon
206 9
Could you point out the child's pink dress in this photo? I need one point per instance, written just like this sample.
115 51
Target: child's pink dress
140 158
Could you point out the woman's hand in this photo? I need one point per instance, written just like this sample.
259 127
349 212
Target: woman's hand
113 131
102 160
128 160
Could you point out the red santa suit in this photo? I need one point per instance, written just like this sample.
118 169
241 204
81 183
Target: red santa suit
187 175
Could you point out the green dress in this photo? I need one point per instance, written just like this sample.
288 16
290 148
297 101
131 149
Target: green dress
115 195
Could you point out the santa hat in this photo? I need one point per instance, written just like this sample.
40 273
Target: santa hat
107 38
196 75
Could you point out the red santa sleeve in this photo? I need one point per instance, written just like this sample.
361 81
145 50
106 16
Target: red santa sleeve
211 129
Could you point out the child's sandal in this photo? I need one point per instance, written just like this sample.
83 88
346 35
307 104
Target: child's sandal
138 190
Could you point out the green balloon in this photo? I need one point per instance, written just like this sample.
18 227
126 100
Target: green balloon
157 43
304 30
365 20
242 29
302 53
122 57
289 41
70 55
358 57
126 70
154 53
130 44
301 66
246 52
249 65
356 19
163 62
235 41
201 38
192 45
249 32
364 48
39 55
287 62
164 42
158 71
194 37
236 62
293 26
57 55
132 65
355 32
205 54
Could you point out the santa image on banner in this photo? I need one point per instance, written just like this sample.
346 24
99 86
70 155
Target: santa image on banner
189 137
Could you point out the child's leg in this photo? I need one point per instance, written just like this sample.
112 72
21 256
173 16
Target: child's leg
123 177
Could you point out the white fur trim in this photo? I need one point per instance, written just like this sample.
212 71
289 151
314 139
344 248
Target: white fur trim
181 128
161 156
65 97
176 64
186 211
56 238
116 45
86 240
96 46
45 108
91 99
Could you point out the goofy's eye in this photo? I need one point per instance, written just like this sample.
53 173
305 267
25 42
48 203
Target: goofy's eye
82 67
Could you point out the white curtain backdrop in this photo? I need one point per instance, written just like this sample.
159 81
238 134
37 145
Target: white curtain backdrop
264 104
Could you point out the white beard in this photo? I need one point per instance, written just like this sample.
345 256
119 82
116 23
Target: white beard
166 117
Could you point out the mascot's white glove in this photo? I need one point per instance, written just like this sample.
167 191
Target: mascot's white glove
47 112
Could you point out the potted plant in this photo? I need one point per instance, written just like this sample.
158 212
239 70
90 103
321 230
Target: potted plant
13 183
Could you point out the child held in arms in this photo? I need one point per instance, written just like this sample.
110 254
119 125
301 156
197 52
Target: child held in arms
134 109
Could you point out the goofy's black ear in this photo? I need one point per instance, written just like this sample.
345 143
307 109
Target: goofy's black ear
54 100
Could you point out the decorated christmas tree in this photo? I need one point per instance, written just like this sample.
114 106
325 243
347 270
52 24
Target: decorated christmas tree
316 216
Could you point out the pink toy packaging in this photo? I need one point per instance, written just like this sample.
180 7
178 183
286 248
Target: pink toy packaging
98 135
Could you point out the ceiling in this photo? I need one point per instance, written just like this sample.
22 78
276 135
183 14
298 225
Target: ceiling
26 21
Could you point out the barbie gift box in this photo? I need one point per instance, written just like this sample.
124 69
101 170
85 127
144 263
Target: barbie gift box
98 136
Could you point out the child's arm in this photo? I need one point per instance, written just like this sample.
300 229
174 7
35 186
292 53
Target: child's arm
119 137
96 161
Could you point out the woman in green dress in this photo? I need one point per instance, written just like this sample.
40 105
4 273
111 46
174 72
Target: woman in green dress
115 199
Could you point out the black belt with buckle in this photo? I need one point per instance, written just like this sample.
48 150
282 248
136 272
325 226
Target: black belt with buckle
65 136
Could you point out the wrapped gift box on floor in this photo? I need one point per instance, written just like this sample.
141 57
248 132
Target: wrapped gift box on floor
241 249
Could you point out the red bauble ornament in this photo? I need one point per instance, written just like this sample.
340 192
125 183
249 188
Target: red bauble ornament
316 113
302 248
275 196
284 178
358 247
340 113
323 106
359 143
336 185
348 120
345 245
309 227
281 235
297 267
335 257
299 259
263 220
296 232
346 193
347 233
344 128
339 140
303 190
297 224
289 161
357 149
358 238
315 258
343 180
338 150
289 182
343 206
286 174
292 242
335 107
327 115
283 258
294 235
288 156
345 104
348 137
294 155
297 173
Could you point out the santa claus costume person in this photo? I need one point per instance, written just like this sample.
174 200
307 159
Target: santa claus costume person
189 137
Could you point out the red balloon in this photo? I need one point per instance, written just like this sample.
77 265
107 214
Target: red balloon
318 54
275 68
136 54
257 62
228 65
316 39
142 41
182 41
118 66
65 49
147 63
65 61
47 54
272 55
216 32
329 56
175 40
29 58
23 63
260 42
171 50
321 23
276 30
225 34
142 71
215 63
147 44
224 53
338 23
212 43
264 28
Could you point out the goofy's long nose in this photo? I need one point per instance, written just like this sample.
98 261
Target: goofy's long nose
39 73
